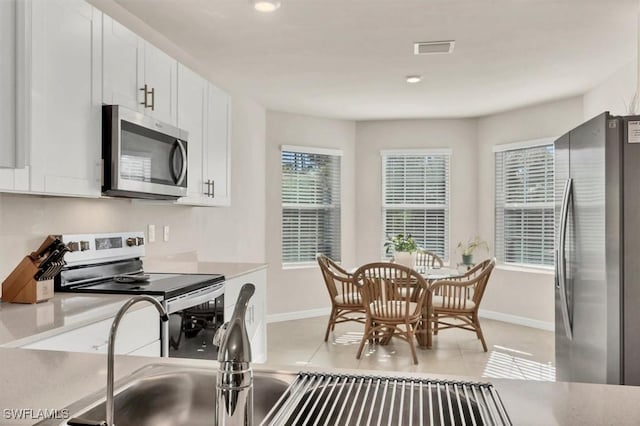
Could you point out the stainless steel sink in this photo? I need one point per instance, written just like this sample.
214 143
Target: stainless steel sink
161 395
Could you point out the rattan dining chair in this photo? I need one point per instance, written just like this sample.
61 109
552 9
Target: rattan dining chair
345 296
459 299
428 259
393 296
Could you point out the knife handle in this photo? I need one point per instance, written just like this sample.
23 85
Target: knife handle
44 247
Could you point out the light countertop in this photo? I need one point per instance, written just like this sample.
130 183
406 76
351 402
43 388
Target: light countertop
53 380
21 324
187 266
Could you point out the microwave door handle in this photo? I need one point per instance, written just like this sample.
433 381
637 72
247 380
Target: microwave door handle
183 169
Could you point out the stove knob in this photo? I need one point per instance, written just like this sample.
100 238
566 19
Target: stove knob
84 245
132 241
140 241
73 246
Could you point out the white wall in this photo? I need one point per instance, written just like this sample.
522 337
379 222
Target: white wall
521 293
614 94
302 289
373 136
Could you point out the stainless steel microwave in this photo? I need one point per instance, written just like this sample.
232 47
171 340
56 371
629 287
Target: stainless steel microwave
143 157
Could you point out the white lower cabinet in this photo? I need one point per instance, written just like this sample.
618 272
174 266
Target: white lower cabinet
256 319
138 333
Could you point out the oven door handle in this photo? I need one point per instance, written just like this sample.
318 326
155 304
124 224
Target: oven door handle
179 176
194 298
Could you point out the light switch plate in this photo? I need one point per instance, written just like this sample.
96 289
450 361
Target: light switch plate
166 233
151 233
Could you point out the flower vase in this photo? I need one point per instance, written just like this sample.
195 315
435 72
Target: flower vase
405 258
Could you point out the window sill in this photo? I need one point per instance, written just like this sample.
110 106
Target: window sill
305 265
544 270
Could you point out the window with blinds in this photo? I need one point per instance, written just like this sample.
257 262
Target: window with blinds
524 206
310 205
416 198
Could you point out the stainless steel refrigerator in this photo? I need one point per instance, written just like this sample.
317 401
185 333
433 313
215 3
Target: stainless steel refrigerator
597 218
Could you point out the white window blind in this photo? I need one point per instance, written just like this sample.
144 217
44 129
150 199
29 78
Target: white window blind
416 198
524 205
310 206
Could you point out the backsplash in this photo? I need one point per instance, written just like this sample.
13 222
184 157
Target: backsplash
26 219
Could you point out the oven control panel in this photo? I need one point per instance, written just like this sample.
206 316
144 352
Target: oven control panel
97 248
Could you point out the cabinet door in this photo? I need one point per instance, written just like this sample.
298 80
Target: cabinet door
12 150
65 109
217 148
122 66
8 83
192 96
138 329
160 75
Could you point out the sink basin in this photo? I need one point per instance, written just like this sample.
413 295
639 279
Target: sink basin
172 396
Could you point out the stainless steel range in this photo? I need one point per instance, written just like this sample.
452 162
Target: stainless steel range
112 263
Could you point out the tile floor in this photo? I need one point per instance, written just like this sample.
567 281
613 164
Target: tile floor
514 351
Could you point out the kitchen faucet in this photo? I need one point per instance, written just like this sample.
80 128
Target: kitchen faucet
234 387
110 357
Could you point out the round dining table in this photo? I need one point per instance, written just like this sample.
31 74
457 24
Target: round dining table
431 275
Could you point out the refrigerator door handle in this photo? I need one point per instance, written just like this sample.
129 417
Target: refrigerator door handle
561 264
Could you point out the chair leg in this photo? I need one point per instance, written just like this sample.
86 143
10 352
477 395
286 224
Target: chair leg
412 343
331 324
476 324
435 324
365 336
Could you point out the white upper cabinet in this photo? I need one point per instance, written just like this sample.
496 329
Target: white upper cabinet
192 102
65 115
138 75
217 152
8 83
123 65
14 176
204 111
160 78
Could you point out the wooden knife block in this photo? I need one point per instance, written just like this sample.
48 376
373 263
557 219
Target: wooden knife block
21 287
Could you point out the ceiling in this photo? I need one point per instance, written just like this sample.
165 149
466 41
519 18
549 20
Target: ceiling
348 58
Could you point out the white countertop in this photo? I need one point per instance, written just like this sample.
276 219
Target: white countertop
21 324
53 380
228 269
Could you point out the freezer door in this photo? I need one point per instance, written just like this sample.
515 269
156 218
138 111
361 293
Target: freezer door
587 289
562 259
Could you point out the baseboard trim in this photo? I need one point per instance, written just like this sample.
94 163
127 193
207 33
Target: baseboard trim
515 319
498 316
290 316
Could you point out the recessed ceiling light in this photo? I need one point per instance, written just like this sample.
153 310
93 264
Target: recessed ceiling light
265 5
414 79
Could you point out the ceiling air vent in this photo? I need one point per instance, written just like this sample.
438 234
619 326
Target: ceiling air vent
432 47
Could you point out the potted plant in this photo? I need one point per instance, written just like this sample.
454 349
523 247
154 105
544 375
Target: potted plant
469 247
404 249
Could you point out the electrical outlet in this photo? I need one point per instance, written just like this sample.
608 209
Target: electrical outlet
151 233
166 233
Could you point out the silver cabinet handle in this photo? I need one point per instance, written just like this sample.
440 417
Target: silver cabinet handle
211 188
98 347
153 99
561 265
146 93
